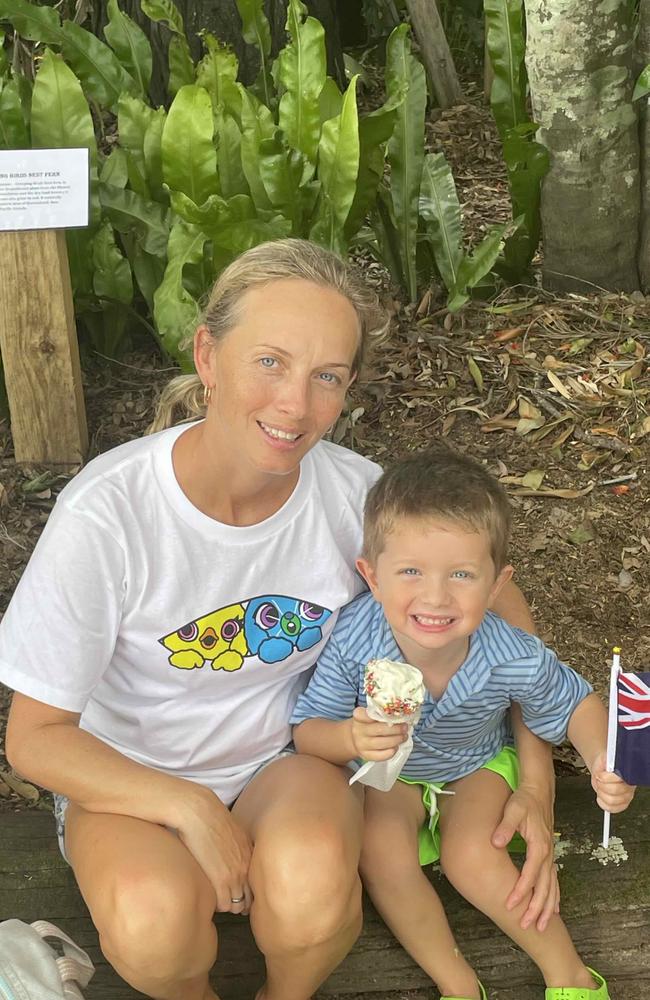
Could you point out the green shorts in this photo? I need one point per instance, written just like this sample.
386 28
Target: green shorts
504 763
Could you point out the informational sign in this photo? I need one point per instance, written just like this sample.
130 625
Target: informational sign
43 189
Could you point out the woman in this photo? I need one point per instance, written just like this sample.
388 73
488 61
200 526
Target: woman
182 587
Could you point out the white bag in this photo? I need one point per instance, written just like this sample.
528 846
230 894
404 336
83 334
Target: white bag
30 969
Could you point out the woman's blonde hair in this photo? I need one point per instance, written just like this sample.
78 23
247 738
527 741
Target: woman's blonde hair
182 398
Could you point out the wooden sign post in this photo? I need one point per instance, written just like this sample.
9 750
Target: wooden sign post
38 338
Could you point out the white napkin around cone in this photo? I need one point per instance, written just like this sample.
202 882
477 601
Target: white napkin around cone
391 682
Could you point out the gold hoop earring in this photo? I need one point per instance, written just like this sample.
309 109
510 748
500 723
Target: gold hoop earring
207 394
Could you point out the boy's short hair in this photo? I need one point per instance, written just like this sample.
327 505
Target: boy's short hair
438 483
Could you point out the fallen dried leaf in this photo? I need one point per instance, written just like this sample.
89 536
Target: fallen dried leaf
425 302
38 483
470 409
641 429
583 533
627 393
510 307
533 479
340 429
512 405
510 334
632 373
561 438
527 410
590 457
539 542
448 423
605 430
527 424
562 494
551 363
499 425
576 346
475 372
557 384
630 346
23 788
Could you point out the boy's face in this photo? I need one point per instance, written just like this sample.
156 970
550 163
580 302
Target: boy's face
435 581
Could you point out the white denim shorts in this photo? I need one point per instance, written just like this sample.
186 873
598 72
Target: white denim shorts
61 803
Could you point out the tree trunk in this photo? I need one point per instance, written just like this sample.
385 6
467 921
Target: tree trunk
644 54
579 58
157 34
435 51
221 17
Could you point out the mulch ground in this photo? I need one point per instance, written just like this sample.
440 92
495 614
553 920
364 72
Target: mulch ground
552 393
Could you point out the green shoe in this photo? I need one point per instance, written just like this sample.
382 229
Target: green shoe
483 993
579 992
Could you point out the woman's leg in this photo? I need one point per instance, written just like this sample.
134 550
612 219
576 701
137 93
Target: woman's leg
402 893
149 900
305 824
485 875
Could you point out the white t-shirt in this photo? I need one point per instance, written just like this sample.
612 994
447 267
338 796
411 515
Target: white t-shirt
184 642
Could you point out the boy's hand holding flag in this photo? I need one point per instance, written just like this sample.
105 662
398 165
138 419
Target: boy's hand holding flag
628 742
613 793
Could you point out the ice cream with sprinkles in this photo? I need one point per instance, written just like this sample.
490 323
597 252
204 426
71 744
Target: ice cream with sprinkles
395 689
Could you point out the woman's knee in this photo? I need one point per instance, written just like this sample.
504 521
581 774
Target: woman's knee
155 922
148 898
306 885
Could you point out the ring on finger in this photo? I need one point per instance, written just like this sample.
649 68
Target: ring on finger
237 899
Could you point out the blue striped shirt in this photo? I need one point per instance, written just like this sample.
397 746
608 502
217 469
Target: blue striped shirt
462 730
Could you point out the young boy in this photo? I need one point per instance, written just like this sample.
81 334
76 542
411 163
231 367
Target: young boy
435 545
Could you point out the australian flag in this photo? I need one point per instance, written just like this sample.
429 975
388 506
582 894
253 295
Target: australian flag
633 731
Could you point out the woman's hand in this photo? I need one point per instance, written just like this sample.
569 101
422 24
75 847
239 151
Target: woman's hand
221 847
375 740
531 815
46 745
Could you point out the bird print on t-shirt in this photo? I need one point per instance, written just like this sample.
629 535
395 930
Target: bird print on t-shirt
216 638
271 627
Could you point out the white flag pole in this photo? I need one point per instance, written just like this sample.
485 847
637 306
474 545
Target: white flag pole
611 729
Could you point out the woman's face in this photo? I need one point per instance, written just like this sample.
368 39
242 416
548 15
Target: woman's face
279 376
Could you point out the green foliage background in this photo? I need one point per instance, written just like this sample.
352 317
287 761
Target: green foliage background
178 191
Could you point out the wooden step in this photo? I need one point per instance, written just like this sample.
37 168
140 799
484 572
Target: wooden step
607 909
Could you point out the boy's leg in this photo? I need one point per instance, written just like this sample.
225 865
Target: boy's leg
485 875
402 893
